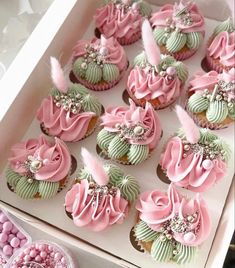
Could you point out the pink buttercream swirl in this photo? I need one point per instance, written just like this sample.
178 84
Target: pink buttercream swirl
132 116
149 85
223 48
113 20
61 123
163 210
113 52
159 19
191 172
156 207
55 158
95 212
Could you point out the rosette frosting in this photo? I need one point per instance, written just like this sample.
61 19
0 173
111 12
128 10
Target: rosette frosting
173 225
101 195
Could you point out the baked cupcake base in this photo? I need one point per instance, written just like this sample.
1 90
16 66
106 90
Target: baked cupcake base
183 54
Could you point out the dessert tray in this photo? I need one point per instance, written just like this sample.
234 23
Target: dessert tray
117 239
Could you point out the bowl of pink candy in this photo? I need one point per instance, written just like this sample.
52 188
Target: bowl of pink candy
41 254
12 237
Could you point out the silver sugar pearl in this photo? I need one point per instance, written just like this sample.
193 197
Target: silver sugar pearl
186 147
138 130
218 97
169 236
162 238
190 218
175 252
58 104
230 104
84 65
184 155
30 180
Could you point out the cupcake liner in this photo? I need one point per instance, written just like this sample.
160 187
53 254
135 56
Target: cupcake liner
128 41
184 54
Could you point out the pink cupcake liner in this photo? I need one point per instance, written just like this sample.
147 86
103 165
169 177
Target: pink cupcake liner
213 65
182 55
204 123
128 41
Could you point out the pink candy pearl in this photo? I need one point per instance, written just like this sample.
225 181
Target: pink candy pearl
23 242
26 251
207 164
20 235
58 256
15 242
42 247
189 237
170 70
7 250
43 254
63 260
14 230
10 237
7 226
27 258
33 253
38 258
3 218
3 237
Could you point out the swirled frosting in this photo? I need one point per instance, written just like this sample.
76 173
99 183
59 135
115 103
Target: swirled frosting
174 218
68 115
121 20
213 94
178 25
46 161
195 166
95 212
222 47
113 52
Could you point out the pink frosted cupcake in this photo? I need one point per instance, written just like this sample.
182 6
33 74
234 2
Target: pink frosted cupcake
157 79
70 112
129 134
211 99
178 29
122 19
194 158
172 227
221 45
38 168
99 64
101 196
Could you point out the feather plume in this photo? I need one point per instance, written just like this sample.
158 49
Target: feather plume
95 167
151 49
191 131
231 5
57 76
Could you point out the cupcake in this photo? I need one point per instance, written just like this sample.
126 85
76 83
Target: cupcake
157 79
70 113
211 99
101 195
221 45
122 19
38 168
178 29
99 64
194 158
129 134
170 226
42 254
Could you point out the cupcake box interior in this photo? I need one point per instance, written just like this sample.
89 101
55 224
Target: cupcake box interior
68 25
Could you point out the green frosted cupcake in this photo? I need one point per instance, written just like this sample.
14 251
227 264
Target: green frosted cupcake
99 64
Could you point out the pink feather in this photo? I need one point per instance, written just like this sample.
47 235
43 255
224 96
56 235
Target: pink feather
57 76
95 167
231 5
191 131
150 46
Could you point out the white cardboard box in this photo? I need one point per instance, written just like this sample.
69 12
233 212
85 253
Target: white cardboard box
25 84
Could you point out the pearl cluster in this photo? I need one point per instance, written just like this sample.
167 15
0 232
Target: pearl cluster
94 55
185 16
95 189
3 261
11 238
40 255
32 165
206 149
179 225
69 102
218 94
128 131
226 86
126 5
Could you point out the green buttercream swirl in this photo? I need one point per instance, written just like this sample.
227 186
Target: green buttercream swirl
217 111
110 72
104 138
176 41
160 36
162 251
84 174
91 104
12 177
197 104
231 111
138 153
93 73
144 233
194 40
181 70
140 59
77 68
145 9
185 254
225 26
129 188
115 173
27 190
223 147
48 189
118 148
206 136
